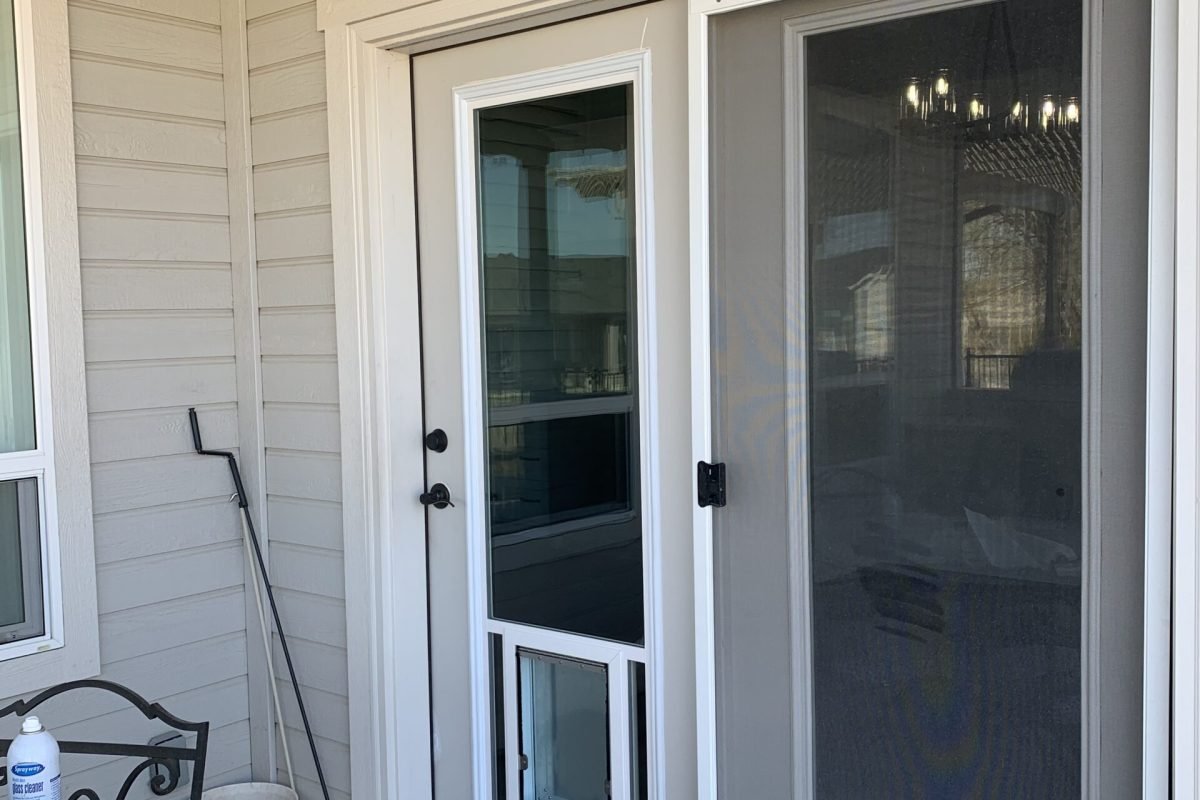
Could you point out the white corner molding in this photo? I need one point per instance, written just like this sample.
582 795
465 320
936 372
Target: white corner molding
248 353
72 650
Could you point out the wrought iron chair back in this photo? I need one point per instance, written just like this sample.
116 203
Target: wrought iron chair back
167 758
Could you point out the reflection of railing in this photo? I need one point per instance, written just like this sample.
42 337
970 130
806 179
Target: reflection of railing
593 381
876 364
990 371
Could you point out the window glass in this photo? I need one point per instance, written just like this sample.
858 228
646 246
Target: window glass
16 368
558 272
21 615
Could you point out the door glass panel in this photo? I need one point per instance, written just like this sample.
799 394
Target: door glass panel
558 271
564 728
945 309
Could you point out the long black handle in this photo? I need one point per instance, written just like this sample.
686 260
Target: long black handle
243 500
244 503
195 421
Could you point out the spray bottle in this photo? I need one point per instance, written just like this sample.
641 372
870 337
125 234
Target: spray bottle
33 772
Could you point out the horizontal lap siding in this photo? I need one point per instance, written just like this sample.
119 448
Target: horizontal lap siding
158 327
293 239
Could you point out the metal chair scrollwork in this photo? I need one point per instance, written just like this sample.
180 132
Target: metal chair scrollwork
167 759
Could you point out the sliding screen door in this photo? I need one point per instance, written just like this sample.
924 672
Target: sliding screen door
929 347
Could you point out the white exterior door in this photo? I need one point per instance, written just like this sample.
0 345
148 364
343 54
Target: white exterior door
553 260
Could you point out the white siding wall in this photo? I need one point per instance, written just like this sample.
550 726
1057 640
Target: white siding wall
159 337
158 323
299 370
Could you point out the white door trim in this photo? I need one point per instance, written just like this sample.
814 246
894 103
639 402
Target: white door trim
375 289
374 226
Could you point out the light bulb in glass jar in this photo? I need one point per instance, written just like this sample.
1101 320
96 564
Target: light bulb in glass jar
1046 114
1017 116
977 109
941 91
911 101
1070 111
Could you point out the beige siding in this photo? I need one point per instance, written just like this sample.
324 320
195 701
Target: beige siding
294 246
158 307
158 326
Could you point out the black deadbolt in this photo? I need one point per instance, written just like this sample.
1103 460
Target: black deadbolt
438 496
436 440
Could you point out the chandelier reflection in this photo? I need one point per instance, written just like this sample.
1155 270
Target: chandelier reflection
934 101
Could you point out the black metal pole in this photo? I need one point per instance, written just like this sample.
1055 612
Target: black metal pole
244 504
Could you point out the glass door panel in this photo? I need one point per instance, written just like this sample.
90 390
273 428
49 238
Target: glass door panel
556 217
911 372
945 308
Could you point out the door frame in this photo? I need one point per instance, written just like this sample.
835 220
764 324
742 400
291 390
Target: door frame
369 45
1161 397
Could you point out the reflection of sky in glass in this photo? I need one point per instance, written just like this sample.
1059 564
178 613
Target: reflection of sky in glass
504 195
579 226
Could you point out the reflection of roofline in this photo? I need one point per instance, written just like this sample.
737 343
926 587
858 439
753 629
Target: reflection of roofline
879 274
593 181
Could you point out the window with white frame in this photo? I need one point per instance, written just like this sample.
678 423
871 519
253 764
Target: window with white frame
23 463
48 623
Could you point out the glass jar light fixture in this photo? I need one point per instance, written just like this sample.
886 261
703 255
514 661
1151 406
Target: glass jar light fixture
1047 112
1018 116
1071 113
941 93
934 100
977 107
912 100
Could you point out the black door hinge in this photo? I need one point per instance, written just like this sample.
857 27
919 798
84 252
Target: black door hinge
710 484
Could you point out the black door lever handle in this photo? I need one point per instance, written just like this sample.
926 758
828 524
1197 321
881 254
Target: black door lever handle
438 496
